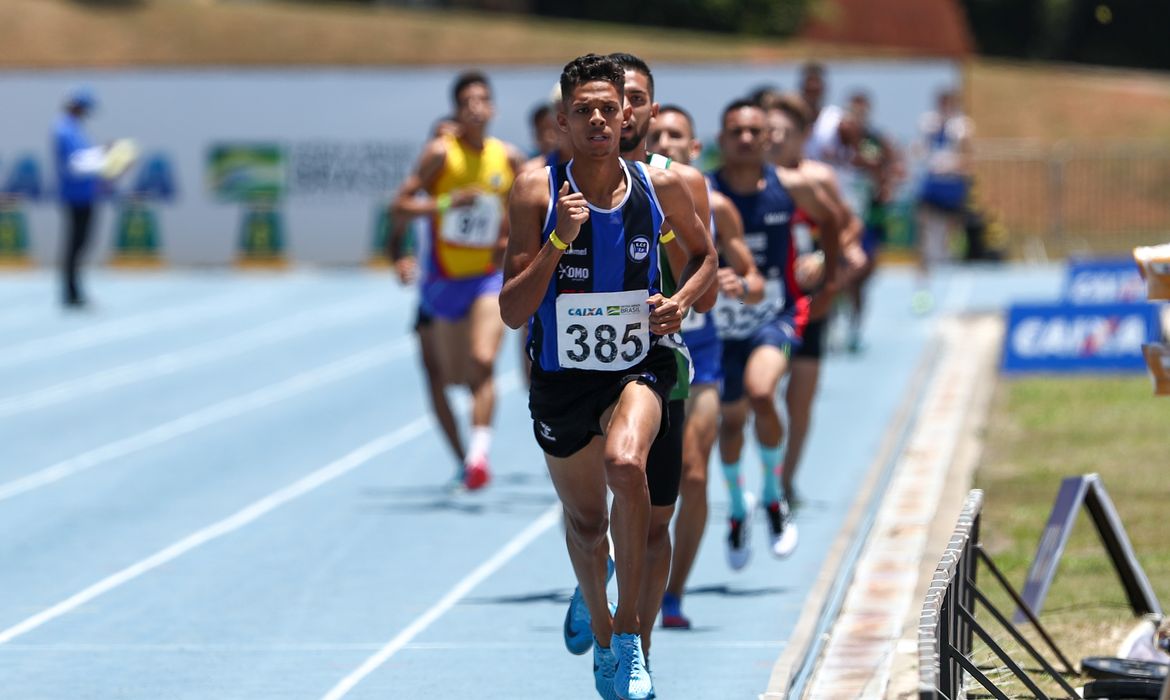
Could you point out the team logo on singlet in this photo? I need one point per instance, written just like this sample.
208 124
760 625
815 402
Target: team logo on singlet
639 248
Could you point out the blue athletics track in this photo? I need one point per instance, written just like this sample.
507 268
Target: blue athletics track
228 485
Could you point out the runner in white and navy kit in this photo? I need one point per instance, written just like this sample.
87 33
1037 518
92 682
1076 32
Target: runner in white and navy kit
758 339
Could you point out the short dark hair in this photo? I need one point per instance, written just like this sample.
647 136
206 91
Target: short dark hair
465 80
679 110
629 61
589 68
741 103
542 110
762 94
812 69
792 105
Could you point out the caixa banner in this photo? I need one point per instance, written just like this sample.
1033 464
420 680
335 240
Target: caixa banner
1103 281
1079 337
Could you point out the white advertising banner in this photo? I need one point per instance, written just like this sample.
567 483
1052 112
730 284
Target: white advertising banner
333 144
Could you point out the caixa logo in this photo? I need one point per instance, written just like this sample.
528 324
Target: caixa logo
1104 281
586 311
1067 337
1100 287
1080 336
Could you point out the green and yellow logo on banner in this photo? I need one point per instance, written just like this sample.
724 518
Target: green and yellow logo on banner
136 237
262 237
13 237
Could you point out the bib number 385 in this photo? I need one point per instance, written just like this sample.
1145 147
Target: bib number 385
602 331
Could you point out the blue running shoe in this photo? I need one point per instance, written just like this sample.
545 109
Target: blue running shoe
652 694
632 681
672 616
577 628
604 669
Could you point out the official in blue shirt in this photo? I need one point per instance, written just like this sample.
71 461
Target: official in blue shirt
79 164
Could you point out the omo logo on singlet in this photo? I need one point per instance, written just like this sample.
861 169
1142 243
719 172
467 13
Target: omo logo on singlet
572 272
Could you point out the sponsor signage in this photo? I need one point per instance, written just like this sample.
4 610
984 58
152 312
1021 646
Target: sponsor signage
1079 338
1103 281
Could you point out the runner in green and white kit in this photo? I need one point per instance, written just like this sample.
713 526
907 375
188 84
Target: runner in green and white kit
665 456
672 134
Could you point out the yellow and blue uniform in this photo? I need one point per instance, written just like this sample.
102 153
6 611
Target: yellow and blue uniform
461 263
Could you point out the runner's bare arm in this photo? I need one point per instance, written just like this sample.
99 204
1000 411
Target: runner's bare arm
824 213
421 179
529 265
516 159
677 257
698 274
742 279
825 180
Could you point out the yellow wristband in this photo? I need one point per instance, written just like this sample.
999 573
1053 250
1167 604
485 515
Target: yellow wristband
556 241
443 203
666 237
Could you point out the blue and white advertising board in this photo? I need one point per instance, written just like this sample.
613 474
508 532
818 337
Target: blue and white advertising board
1079 337
1103 281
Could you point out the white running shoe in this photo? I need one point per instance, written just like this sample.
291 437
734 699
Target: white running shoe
781 528
739 537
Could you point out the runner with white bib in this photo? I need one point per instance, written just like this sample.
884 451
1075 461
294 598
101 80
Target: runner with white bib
581 270
466 176
672 138
757 341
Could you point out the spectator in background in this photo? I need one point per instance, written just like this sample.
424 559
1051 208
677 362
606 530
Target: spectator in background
879 161
79 165
944 144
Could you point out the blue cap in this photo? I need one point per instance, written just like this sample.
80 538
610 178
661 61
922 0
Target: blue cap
82 97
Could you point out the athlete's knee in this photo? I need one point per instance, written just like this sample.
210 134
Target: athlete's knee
479 368
762 400
693 485
625 470
586 530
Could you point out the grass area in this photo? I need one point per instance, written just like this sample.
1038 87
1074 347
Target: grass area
1044 429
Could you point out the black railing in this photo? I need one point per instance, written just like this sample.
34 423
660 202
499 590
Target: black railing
947 626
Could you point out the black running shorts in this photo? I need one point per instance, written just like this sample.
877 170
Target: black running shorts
813 347
664 465
566 406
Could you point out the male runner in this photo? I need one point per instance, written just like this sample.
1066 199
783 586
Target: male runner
672 134
666 453
757 339
466 177
790 121
879 160
601 369
403 247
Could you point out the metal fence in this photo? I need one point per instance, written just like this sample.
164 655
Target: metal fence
947 626
1073 198
944 637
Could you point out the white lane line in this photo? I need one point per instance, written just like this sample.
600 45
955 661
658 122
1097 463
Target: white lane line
209 415
124 328
329 647
517 544
230 524
172 362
